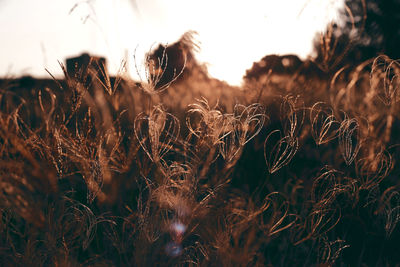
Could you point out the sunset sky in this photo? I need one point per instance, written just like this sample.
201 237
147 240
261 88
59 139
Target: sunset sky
232 34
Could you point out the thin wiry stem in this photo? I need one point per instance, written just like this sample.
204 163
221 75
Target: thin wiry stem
279 151
349 139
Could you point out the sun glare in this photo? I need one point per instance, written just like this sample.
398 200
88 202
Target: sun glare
231 34
234 34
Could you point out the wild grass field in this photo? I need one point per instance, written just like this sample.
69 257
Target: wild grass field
180 169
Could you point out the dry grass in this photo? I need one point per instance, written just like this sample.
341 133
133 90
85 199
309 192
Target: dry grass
192 173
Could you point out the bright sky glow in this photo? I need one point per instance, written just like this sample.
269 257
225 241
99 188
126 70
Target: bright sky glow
232 34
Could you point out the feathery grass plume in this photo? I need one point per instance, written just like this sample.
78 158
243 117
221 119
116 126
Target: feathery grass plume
90 160
329 186
247 123
47 113
326 204
385 80
156 132
374 167
145 213
328 46
210 123
177 192
272 216
239 245
250 120
207 129
74 224
324 126
330 251
372 197
154 70
98 71
337 89
320 222
389 207
349 139
324 187
348 89
78 223
279 150
334 45
76 86
225 243
360 95
275 214
15 114
238 232
89 139
384 86
292 117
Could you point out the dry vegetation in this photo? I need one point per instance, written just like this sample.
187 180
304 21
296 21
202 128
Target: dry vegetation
286 171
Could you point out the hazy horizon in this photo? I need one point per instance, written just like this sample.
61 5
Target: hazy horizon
43 32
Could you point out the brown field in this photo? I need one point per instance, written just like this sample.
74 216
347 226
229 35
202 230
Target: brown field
294 168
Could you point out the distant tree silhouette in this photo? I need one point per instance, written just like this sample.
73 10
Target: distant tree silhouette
87 68
285 64
366 29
